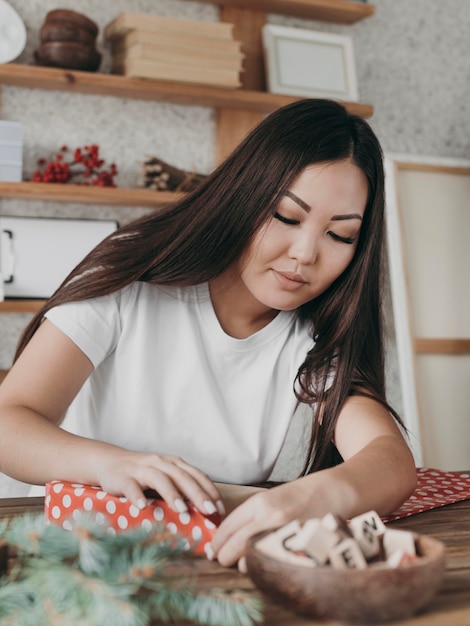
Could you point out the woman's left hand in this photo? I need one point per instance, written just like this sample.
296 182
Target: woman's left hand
268 508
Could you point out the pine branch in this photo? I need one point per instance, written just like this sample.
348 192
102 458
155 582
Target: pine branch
30 535
235 609
87 577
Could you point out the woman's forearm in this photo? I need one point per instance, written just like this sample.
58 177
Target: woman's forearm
381 476
35 450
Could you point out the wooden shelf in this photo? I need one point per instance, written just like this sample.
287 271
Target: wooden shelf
114 196
339 11
20 306
48 78
242 108
442 346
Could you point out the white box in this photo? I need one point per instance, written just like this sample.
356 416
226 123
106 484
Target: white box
11 132
11 151
11 172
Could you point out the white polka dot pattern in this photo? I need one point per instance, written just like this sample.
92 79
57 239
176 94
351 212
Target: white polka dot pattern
65 501
434 488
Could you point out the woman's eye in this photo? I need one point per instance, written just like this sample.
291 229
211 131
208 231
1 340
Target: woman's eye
336 237
286 220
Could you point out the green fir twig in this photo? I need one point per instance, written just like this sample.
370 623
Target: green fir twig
89 577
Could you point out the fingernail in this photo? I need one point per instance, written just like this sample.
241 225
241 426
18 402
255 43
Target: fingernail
209 551
220 507
141 504
180 506
242 565
210 507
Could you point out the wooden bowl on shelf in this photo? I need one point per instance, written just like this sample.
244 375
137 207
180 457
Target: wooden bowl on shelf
68 40
378 593
69 55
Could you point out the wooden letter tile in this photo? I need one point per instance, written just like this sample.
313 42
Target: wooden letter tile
347 555
368 530
314 539
395 539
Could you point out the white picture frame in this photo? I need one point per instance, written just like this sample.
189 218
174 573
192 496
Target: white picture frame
309 63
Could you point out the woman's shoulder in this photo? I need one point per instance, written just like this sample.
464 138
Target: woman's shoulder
136 294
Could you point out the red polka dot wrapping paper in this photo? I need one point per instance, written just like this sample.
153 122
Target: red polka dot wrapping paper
64 501
434 488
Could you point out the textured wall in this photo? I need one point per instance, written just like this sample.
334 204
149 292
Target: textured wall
412 65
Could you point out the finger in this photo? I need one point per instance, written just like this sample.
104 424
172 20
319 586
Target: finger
158 480
206 483
134 493
235 548
175 484
196 486
242 568
237 519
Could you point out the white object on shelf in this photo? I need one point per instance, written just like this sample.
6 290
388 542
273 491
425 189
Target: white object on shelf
2 290
11 150
38 253
12 33
309 63
11 172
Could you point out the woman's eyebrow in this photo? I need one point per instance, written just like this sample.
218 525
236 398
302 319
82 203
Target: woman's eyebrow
347 216
303 205
306 207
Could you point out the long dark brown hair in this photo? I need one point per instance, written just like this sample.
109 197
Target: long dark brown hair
197 238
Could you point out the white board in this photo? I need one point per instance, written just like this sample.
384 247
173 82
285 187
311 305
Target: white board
38 253
428 224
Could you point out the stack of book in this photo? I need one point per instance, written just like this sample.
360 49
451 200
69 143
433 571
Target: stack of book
162 48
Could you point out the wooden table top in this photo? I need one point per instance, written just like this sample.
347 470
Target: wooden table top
449 607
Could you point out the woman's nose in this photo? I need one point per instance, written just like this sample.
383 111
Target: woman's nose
304 249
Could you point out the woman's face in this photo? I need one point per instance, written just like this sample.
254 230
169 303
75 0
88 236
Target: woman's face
310 240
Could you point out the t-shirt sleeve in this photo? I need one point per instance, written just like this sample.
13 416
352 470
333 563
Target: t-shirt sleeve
93 325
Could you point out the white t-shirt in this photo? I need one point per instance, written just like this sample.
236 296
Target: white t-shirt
169 380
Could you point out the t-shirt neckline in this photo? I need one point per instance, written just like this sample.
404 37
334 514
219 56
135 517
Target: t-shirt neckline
268 333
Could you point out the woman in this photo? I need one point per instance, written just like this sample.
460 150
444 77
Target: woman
179 348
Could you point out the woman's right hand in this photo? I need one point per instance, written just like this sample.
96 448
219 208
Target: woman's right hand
129 474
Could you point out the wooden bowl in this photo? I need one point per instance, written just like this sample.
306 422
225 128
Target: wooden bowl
376 594
66 16
69 55
55 30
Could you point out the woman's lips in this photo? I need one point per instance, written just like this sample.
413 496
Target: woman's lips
288 280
